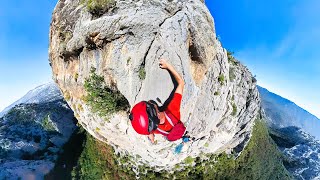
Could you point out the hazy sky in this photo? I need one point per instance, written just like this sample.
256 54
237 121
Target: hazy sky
277 40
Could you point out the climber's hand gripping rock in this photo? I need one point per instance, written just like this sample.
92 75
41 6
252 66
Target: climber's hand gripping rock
164 65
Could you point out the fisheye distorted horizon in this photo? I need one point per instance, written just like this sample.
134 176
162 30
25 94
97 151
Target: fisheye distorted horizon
278 41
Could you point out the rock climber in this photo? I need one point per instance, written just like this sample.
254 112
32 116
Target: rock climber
147 118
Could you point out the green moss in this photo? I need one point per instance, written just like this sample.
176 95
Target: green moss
206 145
217 93
142 73
98 7
234 109
101 98
221 79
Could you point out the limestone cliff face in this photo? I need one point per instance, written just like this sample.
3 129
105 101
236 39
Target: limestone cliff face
220 101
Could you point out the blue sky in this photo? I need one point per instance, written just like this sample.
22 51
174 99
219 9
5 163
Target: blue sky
24 35
277 40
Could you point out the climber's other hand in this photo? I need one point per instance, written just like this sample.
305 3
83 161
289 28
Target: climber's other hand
163 64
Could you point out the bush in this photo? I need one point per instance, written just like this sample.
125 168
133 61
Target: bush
102 99
231 58
98 7
234 109
221 79
142 73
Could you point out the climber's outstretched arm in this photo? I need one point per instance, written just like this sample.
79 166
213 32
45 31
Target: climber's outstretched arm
165 65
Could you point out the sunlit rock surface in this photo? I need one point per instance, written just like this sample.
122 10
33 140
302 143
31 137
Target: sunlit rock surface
220 100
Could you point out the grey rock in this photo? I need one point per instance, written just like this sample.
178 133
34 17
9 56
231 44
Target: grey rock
136 34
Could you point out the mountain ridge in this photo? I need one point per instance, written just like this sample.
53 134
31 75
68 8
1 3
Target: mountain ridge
287 113
35 96
287 100
32 132
299 144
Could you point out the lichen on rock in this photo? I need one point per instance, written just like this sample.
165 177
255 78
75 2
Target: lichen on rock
134 36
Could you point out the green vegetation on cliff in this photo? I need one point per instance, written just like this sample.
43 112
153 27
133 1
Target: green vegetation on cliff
234 109
98 161
142 73
221 79
102 99
98 7
259 160
231 58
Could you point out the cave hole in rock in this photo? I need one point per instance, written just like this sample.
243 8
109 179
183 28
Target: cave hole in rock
194 53
198 68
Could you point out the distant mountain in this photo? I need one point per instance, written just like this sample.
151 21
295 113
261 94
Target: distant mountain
283 113
32 132
42 94
296 133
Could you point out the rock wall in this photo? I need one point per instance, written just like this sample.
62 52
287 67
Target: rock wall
220 100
